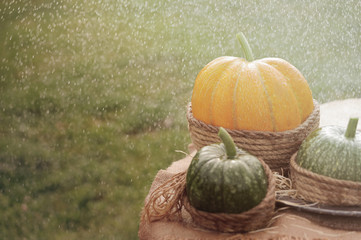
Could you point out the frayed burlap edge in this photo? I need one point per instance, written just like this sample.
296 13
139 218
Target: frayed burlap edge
166 202
275 148
314 187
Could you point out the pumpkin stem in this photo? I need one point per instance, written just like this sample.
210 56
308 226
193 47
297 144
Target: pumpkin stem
245 47
351 128
228 142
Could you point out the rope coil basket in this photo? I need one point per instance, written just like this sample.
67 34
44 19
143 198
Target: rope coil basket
169 199
256 218
275 148
322 189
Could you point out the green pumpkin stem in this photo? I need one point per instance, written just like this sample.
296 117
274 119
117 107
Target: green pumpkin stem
351 128
228 143
245 47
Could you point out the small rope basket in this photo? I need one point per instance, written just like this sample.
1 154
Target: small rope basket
170 200
275 148
322 189
256 218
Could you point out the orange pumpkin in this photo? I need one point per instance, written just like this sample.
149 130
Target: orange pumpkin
268 94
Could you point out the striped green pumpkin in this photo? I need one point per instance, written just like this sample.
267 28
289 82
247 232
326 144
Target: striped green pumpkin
224 179
333 151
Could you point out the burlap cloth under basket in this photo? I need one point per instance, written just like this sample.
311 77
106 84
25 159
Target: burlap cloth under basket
169 201
275 148
314 187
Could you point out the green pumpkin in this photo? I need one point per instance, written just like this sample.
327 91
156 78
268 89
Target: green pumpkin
333 151
225 179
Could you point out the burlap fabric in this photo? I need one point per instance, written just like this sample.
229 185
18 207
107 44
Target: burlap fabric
275 148
286 224
317 188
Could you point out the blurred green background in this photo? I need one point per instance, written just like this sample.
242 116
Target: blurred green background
93 96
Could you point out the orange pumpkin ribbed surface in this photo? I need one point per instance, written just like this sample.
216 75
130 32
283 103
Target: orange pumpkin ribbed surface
268 94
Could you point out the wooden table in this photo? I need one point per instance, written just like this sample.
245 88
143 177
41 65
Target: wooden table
288 223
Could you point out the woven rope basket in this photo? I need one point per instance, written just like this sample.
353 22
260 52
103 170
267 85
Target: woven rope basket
275 148
318 188
256 218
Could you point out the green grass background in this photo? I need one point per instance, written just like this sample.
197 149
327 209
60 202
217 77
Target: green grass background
93 96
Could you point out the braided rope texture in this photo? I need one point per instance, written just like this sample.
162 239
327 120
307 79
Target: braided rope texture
256 218
275 148
322 189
